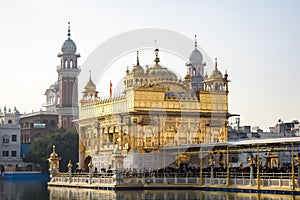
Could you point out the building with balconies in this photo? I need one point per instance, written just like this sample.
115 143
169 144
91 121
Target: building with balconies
10 148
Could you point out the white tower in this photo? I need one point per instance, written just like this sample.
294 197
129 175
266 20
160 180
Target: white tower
196 68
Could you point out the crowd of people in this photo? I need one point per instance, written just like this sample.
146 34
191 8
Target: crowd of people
184 171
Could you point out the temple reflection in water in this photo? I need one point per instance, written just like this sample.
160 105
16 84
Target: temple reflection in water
72 193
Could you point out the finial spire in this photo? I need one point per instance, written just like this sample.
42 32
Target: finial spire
90 75
69 30
156 54
137 59
53 148
216 63
196 41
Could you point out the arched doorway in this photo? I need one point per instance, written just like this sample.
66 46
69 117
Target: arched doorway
87 160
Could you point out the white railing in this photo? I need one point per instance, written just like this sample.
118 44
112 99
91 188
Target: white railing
278 180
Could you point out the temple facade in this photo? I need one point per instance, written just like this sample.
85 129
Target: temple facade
156 112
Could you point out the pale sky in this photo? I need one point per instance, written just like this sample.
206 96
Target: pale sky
258 42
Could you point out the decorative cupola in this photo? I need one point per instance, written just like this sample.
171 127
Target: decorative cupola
53 163
90 92
216 81
159 73
137 69
68 53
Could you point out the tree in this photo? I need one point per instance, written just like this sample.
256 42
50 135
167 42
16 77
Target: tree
66 143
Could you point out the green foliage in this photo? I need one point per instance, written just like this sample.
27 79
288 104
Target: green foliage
66 143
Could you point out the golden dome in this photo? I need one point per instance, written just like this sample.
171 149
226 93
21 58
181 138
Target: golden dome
90 87
161 73
137 69
216 74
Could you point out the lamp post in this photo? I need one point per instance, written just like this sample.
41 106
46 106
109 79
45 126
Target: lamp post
211 164
201 174
70 171
251 163
258 165
298 166
90 165
227 167
293 168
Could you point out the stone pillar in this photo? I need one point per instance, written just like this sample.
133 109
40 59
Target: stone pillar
70 171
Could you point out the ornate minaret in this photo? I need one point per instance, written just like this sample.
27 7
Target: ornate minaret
68 72
196 68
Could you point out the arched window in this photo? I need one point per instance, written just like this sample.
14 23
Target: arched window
45 121
66 64
71 64
216 138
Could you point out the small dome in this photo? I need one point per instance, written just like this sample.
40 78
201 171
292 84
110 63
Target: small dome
90 86
137 70
53 155
196 57
216 74
68 47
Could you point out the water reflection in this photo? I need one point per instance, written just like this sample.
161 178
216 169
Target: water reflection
84 194
23 190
